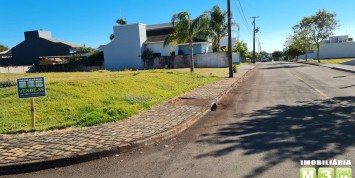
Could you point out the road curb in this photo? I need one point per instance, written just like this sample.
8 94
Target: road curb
62 161
335 68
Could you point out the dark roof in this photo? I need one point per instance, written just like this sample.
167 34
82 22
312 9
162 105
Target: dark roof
159 35
157 38
64 42
6 53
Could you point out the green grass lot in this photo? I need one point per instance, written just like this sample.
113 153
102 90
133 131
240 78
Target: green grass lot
218 72
79 99
331 61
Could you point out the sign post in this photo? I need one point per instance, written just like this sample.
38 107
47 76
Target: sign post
31 88
33 120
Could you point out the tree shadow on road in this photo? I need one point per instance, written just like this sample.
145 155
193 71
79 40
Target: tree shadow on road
283 67
347 87
320 129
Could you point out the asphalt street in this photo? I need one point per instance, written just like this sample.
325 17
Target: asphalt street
281 114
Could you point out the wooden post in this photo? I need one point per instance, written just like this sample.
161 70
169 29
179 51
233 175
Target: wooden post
33 112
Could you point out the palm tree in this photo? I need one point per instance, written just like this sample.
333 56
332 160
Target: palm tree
241 47
186 29
218 26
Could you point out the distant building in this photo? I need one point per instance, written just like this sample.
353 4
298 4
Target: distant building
36 44
334 47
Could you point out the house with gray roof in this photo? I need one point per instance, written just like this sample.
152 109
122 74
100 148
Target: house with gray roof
36 44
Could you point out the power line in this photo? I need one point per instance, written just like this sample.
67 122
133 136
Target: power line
241 7
245 23
241 13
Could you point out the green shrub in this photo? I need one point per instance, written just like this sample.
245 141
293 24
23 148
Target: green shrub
75 59
235 68
147 54
96 57
7 83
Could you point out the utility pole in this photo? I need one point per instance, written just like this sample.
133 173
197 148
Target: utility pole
230 40
255 31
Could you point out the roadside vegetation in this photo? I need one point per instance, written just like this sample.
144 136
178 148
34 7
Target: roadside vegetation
331 61
214 72
3 48
86 99
309 33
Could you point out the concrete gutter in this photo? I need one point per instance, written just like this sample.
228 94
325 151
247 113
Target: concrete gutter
331 67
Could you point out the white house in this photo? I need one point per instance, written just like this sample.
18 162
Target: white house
124 52
334 47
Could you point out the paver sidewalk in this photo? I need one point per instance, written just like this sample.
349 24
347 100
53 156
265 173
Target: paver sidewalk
160 122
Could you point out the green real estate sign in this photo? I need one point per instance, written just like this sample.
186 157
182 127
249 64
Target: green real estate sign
31 87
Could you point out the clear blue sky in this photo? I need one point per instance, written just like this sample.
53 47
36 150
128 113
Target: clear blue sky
90 21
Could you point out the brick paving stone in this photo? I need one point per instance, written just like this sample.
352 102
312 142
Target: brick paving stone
17 149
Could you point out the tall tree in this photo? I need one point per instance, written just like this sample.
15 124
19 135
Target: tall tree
317 27
242 48
301 41
3 48
186 29
218 26
293 51
297 45
276 55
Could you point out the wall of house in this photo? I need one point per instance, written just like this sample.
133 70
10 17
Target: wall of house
333 50
16 69
68 68
126 49
29 51
159 48
215 60
50 68
211 60
198 48
206 60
